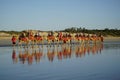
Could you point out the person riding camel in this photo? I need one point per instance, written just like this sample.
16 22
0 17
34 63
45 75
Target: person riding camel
13 40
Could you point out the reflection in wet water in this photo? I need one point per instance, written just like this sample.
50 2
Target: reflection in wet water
54 53
14 57
63 62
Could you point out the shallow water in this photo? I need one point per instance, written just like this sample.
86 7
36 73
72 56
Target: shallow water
74 62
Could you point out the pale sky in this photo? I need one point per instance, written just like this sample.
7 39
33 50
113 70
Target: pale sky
59 14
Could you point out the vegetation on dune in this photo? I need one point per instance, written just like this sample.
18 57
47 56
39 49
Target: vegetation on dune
11 32
104 32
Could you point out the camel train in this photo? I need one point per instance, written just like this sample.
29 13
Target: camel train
30 38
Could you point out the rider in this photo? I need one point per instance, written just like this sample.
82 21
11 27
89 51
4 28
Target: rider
13 40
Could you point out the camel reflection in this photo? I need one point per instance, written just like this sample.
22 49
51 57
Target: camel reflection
51 54
57 52
66 52
29 56
38 56
87 49
14 56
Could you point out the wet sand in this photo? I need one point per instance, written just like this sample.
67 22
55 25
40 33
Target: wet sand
112 38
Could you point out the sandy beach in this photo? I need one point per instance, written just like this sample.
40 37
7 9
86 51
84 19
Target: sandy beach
111 38
5 41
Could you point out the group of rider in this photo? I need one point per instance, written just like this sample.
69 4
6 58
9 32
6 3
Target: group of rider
29 36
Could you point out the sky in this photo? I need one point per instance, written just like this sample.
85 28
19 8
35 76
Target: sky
59 14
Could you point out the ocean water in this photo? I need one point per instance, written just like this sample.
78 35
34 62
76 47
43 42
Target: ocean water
63 62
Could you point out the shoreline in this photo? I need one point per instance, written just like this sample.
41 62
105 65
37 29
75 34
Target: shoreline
6 41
